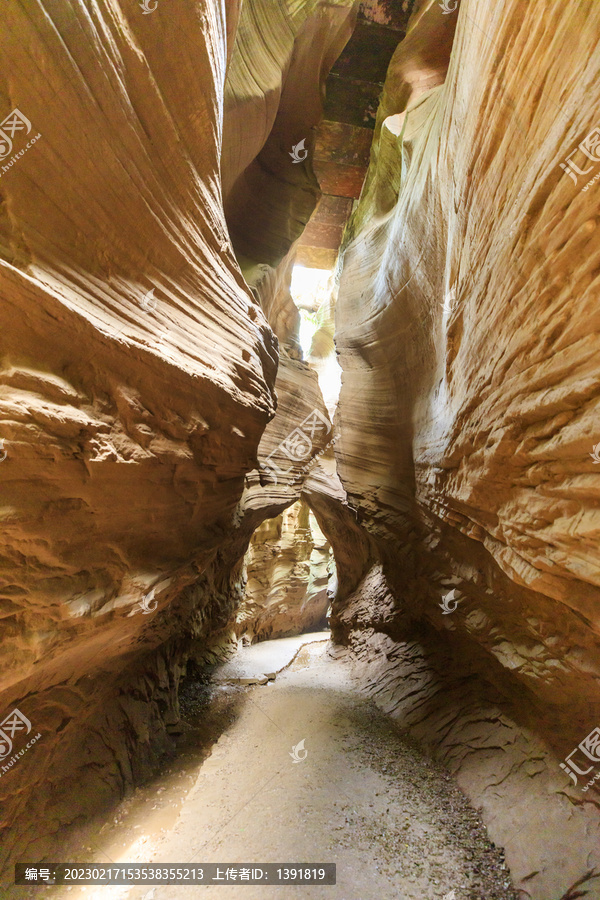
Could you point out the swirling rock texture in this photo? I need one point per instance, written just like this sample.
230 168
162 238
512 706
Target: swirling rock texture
288 568
283 52
467 327
156 408
138 369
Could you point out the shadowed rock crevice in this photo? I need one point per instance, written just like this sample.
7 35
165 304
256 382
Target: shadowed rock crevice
175 481
467 416
288 566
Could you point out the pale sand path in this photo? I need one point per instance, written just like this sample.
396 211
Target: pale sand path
365 798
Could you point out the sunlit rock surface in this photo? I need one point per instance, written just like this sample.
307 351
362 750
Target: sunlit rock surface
282 54
467 326
288 567
138 370
156 409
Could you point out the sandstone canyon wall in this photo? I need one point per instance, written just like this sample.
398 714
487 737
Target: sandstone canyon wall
138 369
467 327
288 568
156 408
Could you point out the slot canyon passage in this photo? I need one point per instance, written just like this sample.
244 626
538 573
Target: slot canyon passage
300 445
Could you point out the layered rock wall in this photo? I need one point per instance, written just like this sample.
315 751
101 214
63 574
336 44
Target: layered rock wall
156 409
467 326
273 101
287 570
138 370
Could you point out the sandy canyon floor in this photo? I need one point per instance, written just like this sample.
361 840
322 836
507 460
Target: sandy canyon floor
363 797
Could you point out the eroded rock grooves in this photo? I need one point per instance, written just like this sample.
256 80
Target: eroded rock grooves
467 322
150 370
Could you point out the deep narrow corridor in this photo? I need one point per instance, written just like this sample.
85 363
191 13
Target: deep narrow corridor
300 447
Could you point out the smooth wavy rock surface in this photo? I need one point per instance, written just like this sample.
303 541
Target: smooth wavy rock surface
137 368
288 566
273 101
467 326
